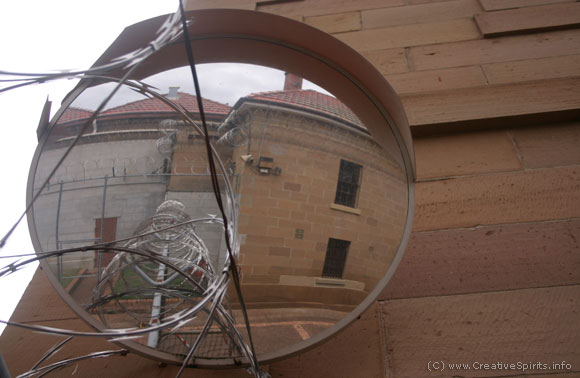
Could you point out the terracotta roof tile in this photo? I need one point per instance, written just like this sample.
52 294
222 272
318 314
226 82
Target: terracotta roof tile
153 105
73 114
309 100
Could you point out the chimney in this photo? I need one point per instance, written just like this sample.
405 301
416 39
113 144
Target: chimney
173 93
292 82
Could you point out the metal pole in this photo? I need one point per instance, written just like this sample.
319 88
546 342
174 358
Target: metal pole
59 257
99 260
4 373
153 339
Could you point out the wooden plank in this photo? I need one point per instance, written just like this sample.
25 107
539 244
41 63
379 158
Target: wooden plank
526 326
418 14
493 101
532 69
388 61
506 49
465 154
529 20
492 5
411 35
513 197
437 80
326 7
336 23
490 258
548 146
358 348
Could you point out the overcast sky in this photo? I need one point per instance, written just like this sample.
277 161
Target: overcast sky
48 36
41 36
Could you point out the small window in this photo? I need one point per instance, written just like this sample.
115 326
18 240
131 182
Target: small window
335 258
348 183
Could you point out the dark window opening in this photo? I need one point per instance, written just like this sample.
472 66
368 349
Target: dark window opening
348 183
335 258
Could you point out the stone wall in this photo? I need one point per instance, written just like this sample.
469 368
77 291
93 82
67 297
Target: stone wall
491 273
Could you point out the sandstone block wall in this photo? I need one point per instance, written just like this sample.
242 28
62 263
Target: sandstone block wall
491 274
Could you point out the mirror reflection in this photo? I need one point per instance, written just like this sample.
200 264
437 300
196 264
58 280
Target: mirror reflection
317 207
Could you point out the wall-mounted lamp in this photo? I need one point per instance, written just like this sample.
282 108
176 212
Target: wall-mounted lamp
264 166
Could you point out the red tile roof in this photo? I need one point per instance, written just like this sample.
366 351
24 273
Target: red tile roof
73 114
153 105
147 106
308 100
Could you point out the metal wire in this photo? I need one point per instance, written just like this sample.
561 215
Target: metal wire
201 288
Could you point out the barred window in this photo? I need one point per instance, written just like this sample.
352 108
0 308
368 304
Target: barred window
336 252
348 183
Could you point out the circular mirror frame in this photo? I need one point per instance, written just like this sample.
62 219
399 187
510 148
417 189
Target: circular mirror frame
224 35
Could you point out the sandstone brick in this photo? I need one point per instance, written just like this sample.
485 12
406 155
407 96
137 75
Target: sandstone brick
465 154
468 53
388 61
298 253
279 194
279 232
294 224
279 251
289 205
280 270
411 35
522 196
279 213
322 360
336 23
418 14
299 197
524 325
548 146
265 240
292 186
436 80
31 309
532 69
527 20
414 2
509 100
492 5
298 215
490 258
325 7
231 4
